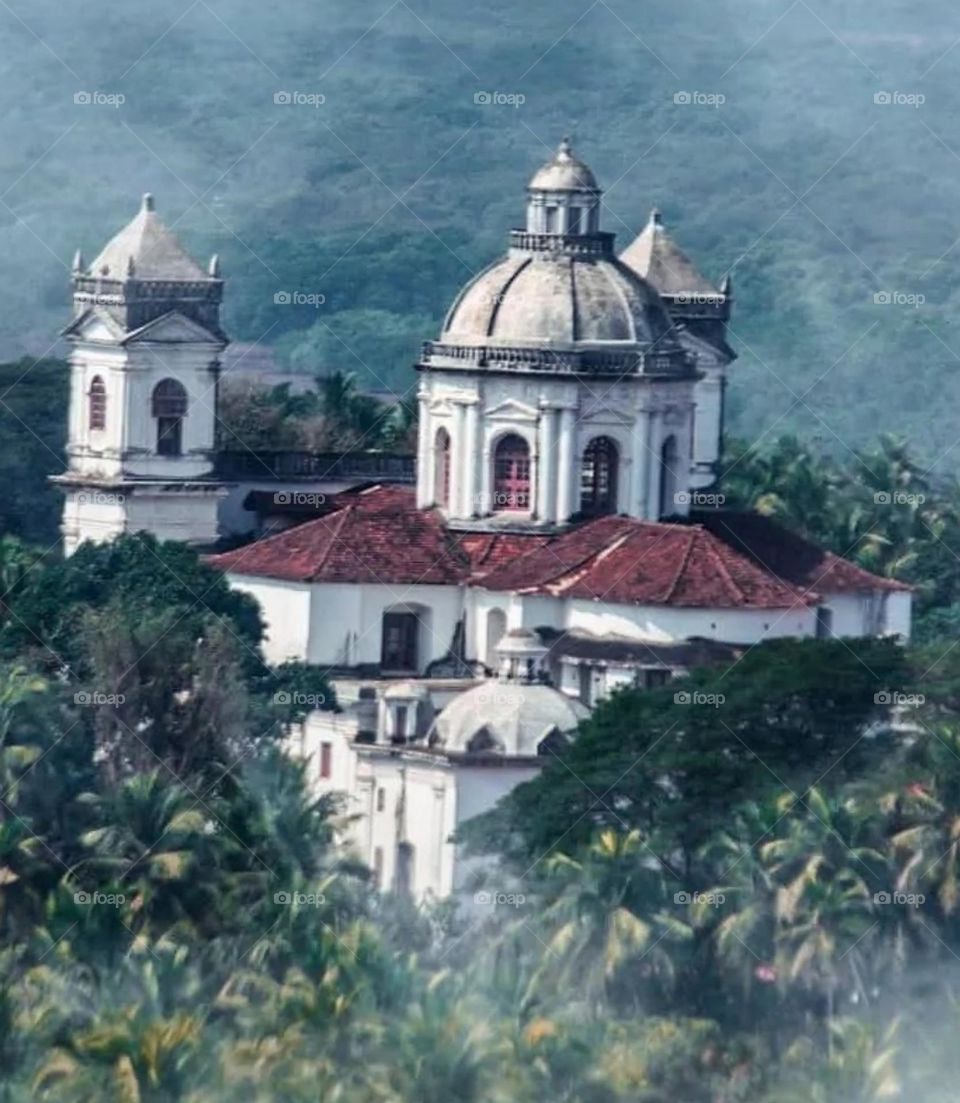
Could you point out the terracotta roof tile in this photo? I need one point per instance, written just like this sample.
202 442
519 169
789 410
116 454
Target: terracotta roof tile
372 536
718 560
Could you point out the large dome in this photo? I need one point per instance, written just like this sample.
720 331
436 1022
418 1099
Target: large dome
543 296
505 718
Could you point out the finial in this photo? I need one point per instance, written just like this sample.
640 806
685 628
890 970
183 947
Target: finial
147 202
131 268
214 266
656 217
564 149
726 286
77 262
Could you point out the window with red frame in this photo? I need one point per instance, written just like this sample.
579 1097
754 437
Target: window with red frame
97 403
511 475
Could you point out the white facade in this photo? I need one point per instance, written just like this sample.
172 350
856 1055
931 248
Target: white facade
144 364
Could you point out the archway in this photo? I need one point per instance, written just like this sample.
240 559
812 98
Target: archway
169 408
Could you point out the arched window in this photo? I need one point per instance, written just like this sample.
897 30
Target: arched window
169 408
669 477
511 474
97 403
441 468
598 477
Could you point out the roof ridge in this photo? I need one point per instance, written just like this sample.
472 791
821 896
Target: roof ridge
736 589
334 535
684 561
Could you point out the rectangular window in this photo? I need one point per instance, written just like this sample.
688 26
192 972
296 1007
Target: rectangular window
552 220
381 799
399 646
574 216
326 760
401 729
169 436
824 623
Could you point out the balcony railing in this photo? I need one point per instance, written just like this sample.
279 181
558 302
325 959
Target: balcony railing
582 245
565 361
283 466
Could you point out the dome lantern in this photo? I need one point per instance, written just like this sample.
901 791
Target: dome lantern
563 196
521 655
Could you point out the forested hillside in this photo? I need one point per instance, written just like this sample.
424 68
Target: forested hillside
388 195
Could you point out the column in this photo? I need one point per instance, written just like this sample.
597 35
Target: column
457 460
470 506
425 464
567 466
654 505
641 464
546 462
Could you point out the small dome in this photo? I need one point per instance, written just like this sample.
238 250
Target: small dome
533 297
505 718
564 172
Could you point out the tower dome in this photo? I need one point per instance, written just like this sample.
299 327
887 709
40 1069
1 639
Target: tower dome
561 283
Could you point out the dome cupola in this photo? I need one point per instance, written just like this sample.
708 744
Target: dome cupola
563 196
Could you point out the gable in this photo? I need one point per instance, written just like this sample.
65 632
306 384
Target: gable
172 328
512 410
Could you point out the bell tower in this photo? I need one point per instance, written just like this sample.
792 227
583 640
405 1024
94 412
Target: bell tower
145 343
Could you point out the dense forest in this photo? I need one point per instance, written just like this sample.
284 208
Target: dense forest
744 892
384 198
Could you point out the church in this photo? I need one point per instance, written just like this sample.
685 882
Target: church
564 534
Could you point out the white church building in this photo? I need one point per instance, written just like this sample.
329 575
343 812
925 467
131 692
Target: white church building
554 546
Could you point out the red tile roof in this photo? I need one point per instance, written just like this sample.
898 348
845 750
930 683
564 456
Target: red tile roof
789 556
374 535
719 560
624 561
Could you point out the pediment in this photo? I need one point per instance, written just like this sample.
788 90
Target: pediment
512 410
94 325
601 414
172 328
